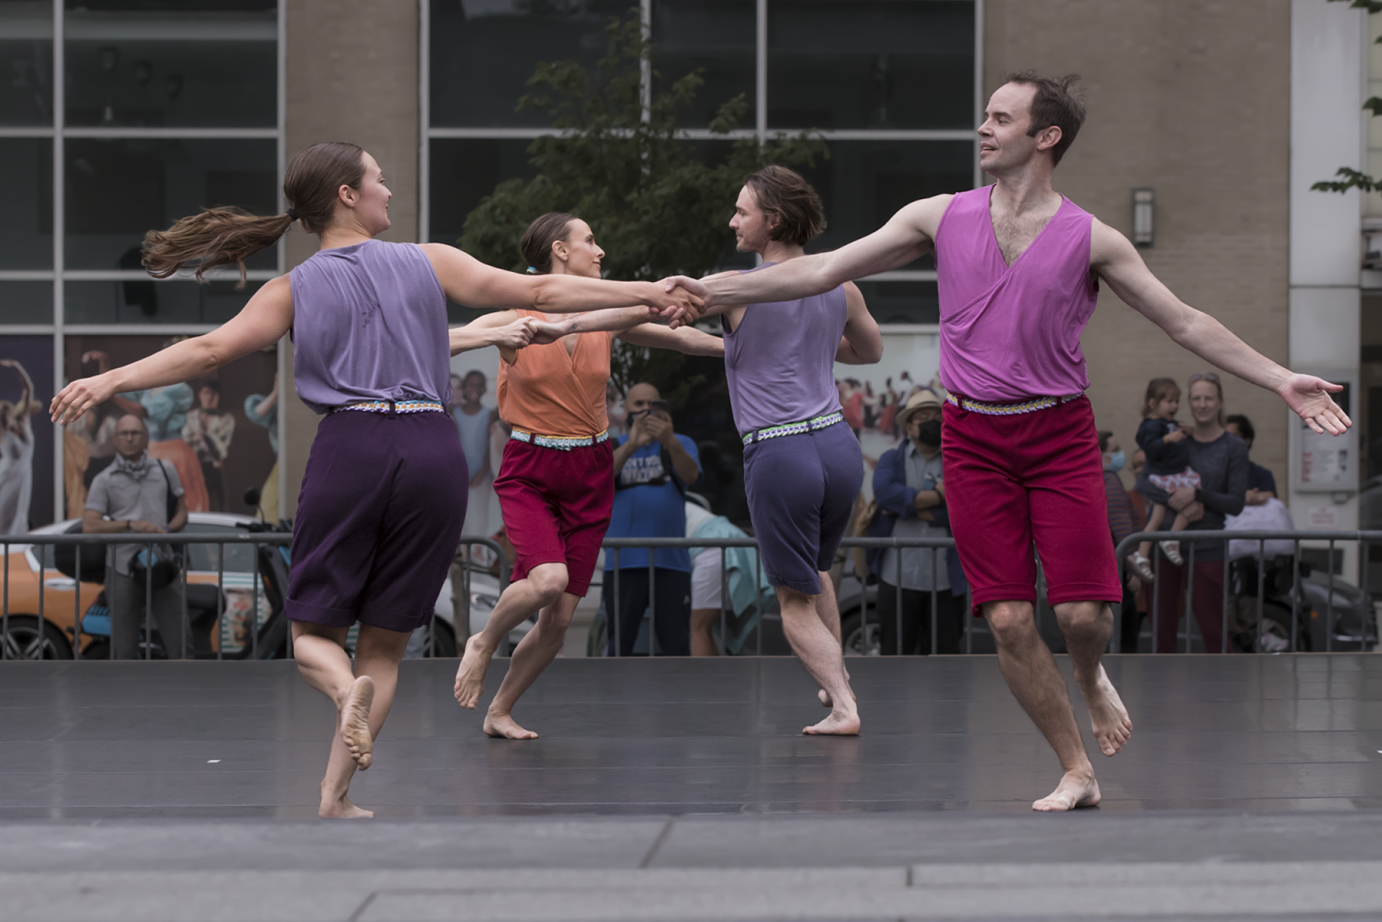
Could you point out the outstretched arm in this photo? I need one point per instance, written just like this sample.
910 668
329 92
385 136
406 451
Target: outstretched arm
504 329
260 323
610 320
1117 262
468 281
907 235
683 339
862 344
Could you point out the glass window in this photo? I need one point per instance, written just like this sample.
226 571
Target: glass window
118 189
148 301
484 51
864 183
155 63
26 62
717 37
881 64
465 171
26 302
26 207
902 302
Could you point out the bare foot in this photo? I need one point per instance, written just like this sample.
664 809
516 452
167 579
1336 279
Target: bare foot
470 677
1075 790
354 721
835 725
503 726
1112 727
340 808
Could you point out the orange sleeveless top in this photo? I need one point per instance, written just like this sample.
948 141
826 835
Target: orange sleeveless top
548 392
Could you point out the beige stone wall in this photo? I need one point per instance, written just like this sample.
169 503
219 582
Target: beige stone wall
1191 98
352 75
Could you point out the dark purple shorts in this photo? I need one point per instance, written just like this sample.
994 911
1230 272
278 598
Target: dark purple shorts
801 491
378 520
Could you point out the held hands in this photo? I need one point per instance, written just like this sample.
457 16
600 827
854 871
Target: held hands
518 334
78 397
686 298
1308 396
549 331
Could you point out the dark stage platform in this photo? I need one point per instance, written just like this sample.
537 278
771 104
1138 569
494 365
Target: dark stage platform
682 790
669 736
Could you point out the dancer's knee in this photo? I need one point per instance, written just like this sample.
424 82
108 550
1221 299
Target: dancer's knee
549 582
1082 620
1012 623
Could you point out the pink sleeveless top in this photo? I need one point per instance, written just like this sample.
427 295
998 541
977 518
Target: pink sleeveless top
1013 332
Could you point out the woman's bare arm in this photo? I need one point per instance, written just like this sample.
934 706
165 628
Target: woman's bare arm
468 281
683 339
260 323
504 329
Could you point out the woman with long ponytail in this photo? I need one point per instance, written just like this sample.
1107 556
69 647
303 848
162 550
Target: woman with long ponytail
383 497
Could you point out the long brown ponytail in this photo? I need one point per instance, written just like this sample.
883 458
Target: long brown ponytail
229 236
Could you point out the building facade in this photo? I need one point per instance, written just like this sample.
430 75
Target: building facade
121 115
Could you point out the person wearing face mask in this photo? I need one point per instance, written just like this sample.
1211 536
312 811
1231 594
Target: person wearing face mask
909 487
1122 521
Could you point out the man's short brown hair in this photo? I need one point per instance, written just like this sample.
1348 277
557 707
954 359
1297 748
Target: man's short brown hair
787 195
1055 103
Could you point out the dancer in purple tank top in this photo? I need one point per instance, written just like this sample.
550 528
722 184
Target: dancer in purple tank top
1018 267
802 464
384 494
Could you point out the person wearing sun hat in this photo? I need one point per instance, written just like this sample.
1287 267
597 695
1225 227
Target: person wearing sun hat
909 488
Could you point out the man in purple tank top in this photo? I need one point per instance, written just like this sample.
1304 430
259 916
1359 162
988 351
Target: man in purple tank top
1018 267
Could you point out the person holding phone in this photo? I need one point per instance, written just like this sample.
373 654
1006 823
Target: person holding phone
653 467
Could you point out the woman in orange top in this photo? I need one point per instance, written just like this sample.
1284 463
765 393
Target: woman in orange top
556 484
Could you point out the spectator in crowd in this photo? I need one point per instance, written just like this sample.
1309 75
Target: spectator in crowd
473 420
1168 467
710 573
132 495
908 485
1261 483
1221 460
1122 521
653 467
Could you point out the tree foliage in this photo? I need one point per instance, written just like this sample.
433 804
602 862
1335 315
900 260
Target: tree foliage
658 205
1350 178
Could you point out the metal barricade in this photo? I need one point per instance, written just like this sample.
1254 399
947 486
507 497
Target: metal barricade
36 630
1291 609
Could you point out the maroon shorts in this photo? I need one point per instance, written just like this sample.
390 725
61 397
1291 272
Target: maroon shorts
556 506
1013 480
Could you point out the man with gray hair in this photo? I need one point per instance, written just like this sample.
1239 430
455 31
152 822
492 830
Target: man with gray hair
141 495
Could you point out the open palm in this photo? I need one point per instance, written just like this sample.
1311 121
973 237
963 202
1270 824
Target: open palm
1308 396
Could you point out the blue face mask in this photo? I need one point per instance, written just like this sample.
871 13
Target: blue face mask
1115 462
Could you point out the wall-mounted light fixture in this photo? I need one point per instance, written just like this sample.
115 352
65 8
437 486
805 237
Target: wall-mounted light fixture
1143 217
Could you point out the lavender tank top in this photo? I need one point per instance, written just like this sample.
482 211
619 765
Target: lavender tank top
780 360
369 323
1013 332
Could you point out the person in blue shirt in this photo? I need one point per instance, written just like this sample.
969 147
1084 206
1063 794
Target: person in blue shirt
653 467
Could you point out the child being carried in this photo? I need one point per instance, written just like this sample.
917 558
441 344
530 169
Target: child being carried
1168 468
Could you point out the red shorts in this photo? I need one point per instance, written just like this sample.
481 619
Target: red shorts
1037 476
556 506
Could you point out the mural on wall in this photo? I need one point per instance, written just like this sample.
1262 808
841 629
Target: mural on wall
26 435
871 395
220 432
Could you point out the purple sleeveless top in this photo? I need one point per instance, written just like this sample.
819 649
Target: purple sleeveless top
780 360
1013 332
369 323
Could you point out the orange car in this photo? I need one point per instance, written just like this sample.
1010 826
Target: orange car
49 630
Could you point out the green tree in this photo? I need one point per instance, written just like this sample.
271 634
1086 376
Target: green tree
658 204
1350 178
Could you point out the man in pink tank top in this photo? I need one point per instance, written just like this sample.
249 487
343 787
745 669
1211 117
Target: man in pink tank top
1019 267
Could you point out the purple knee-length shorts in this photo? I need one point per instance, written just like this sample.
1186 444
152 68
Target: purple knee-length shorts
801 492
379 517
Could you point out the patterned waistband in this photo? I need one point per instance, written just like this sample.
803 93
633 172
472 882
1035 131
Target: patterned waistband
1010 409
559 442
393 407
806 425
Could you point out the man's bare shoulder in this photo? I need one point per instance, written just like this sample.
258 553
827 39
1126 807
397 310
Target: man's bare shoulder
925 214
1106 244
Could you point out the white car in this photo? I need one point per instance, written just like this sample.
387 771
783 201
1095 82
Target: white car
484 595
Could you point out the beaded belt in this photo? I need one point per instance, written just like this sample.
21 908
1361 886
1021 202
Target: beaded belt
1010 409
394 407
806 425
559 442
